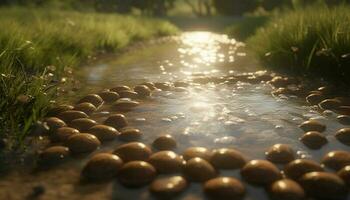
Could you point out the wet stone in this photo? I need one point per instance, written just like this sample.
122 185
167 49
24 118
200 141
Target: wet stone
83 143
57 110
323 185
181 84
343 136
120 88
136 174
344 100
314 140
166 162
164 142
163 86
224 188
227 159
62 134
199 170
314 99
130 134
54 123
124 105
142 90
82 124
344 173
128 94
133 151
96 100
104 132
68 116
53 155
102 166
343 110
344 119
86 107
280 153
150 85
279 81
299 167
168 187
200 152
329 104
117 121
312 125
260 172
109 96
286 189
336 159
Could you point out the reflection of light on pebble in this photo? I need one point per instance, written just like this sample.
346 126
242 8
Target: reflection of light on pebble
225 140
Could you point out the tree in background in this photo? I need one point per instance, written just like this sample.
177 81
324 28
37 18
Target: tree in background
235 7
273 4
200 7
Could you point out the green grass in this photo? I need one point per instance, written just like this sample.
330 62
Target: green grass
314 41
37 46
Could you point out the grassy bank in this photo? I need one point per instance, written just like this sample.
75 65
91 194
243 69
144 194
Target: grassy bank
38 46
314 41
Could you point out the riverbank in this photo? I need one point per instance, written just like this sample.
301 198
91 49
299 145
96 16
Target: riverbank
39 49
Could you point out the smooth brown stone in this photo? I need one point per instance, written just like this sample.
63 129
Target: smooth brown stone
102 166
62 134
68 116
120 88
181 84
82 143
86 107
323 185
313 140
329 104
227 159
136 174
260 172
279 81
58 109
343 136
224 188
336 159
109 96
344 119
104 132
128 94
130 134
297 168
343 110
164 142
344 173
312 125
168 188
315 99
200 152
199 170
163 86
280 91
280 153
96 100
166 162
117 121
150 85
133 151
53 155
54 123
125 105
286 189
82 124
142 90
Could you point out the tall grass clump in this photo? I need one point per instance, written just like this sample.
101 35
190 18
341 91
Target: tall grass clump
37 46
314 41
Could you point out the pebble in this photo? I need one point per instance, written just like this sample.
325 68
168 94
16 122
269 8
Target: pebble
133 151
168 187
329 104
150 85
109 96
344 173
280 153
57 110
336 159
128 94
199 170
120 88
200 152
260 172
104 132
68 116
344 119
279 81
125 105
343 135
297 168
163 86
82 124
130 134
227 159
343 110
96 100
62 134
312 125
54 155
86 107
181 84
224 188
167 162
136 174
315 99
323 185
286 189
82 143
164 142
314 140
142 90
117 121
54 123
102 166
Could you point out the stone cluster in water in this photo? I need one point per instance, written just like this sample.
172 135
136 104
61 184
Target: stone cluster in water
136 164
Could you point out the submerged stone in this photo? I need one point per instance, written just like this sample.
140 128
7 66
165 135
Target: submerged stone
200 152
85 107
260 172
227 159
330 104
343 136
82 124
136 174
312 125
299 167
286 189
164 142
133 151
124 105
166 162
117 121
109 96
83 143
169 187
336 159
53 155
314 140
344 119
224 188
344 173
120 88
163 86
58 109
130 134
68 116
142 90
94 99
128 94
315 99
54 123
104 132
199 170
150 85
343 110
62 134
280 153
